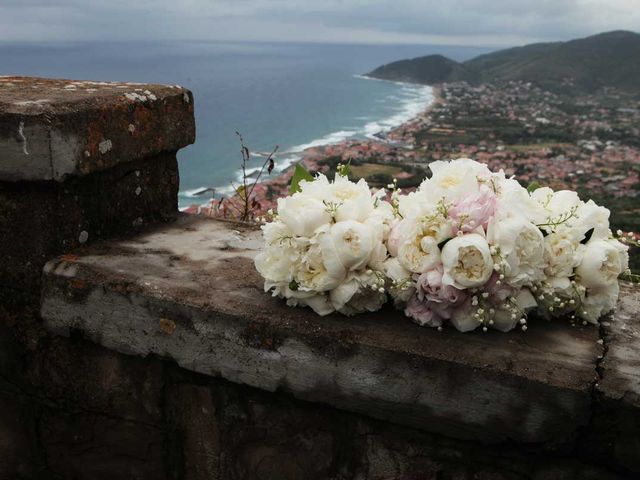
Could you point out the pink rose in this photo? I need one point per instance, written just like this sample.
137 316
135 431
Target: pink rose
422 313
430 288
473 210
432 302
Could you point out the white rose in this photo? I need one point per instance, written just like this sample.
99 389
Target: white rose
599 303
466 261
521 247
346 246
601 264
303 214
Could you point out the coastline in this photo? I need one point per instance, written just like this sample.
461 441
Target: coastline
396 140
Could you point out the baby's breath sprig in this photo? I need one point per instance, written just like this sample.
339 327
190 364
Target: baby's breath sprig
442 208
629 276
285 239
331 208
343 169
561 219
401 285
556 304
500 264
628 238
379 281
517 313
395 197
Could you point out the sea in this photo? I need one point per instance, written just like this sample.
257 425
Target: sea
291 95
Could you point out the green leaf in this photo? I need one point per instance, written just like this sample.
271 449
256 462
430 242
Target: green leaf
533 186
344 169
293 285
299 174
241 191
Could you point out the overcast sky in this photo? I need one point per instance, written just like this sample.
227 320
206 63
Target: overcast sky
448 22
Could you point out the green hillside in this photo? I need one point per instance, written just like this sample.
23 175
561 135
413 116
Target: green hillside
609 59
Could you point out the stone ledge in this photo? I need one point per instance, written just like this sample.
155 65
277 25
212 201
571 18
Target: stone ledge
189 292
52 129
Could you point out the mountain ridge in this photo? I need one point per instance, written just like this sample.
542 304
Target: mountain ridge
584 65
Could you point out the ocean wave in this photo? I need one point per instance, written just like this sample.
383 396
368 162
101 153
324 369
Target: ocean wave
329 139
409 102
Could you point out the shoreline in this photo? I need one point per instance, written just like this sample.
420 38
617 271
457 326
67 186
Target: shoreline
397 138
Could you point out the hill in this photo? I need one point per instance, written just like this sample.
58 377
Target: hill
429 70
583 65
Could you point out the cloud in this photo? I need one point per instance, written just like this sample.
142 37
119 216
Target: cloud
454 22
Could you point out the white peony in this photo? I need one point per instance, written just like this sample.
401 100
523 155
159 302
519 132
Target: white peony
599 303
514 200
311 274
454 178
418 240
463 321
592 217
563 252
302 214
381 219
556 203
401 278
319 303
504 319
357 294
353 201
521 247
466 261
602 262
346 246
276 265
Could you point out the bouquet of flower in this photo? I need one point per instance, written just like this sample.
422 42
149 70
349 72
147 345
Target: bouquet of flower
325 248
470 247
476 249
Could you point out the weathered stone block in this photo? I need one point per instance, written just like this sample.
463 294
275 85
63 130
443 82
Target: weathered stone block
18 436
615 438
81 161
194 438
39 220
53 129
189 292
86 446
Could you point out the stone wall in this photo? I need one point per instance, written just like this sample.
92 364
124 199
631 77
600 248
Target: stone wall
79 162
136 342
